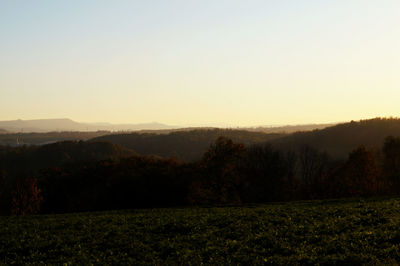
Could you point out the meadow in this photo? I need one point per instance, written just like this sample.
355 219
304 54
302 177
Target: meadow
352 231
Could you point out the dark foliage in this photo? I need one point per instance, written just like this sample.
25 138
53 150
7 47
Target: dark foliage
391 161
268 173
87 176
134 182
221 179
26 159
20 163
358 176
26 198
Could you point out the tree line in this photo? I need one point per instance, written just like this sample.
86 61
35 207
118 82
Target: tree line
227 173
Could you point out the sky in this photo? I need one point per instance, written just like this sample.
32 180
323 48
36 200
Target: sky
209 62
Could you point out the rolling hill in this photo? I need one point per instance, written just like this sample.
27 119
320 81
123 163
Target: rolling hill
341 139
183 145
336 140
188 144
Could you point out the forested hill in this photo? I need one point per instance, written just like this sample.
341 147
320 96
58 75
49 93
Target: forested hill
336 140
190 145
32 158
339 140
183 146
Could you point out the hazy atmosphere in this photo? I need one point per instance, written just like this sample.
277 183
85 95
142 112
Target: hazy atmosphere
184 132
241 63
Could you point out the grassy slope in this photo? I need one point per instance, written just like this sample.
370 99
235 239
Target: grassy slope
351 231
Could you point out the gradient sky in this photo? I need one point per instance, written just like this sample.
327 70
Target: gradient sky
202 62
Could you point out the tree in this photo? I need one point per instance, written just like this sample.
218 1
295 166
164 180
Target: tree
4 193
26 198
313 167
220 180
359 176
391 161
270 174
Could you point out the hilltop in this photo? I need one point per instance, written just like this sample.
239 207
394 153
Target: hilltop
341 139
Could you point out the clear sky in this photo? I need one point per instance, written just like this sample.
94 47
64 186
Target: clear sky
202 62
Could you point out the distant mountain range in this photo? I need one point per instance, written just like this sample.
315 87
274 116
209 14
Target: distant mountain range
49 125
65 124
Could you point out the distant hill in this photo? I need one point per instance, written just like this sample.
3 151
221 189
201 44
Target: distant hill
41 125
339 140
289 128
20 139
265 129
183 145
65 124
49 125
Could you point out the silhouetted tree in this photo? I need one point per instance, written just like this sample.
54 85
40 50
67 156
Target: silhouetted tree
221 180
269 174
313 168
26 198
359 176
4 193
391 161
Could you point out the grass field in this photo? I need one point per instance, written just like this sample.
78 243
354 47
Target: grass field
325 232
